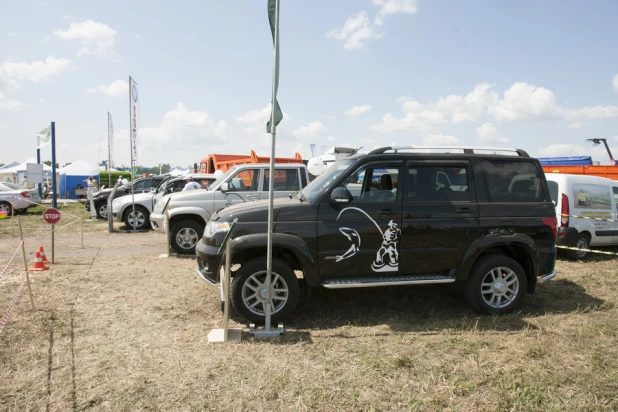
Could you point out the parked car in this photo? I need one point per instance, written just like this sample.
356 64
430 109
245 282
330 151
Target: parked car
141 185
14 196
590 198
493 239
190 211
138 218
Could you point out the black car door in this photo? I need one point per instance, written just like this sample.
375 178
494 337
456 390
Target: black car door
359 223
440 219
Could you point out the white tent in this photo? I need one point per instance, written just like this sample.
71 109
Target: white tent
11 172
178 172
72 177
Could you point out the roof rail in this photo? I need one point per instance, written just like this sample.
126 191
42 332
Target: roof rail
461 149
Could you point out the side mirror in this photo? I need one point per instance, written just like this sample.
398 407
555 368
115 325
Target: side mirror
153 190
225 187
341 195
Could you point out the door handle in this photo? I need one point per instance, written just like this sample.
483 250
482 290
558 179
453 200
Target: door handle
464 209
387 212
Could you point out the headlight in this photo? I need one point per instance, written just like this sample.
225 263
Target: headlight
159 206
215 227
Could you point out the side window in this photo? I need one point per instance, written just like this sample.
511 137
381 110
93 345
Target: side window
436 184
371 184
245 180
177 186
512 181
615 195
143 185
285 180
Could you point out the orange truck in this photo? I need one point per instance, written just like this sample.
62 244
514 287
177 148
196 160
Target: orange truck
224 162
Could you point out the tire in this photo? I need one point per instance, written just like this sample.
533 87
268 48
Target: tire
582 242
497 284
185 235
5 207
249 282
142 216
101 209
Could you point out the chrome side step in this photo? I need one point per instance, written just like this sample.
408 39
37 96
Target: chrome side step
205 279
390 281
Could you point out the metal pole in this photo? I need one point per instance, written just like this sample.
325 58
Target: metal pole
38 160
226 291
132 131
53 244
23 251
271 180
53 143
13 214
82 223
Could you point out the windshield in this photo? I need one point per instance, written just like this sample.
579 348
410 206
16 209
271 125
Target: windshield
324 181
214 185
162 186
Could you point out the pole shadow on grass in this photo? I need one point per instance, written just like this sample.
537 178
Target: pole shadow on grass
433 308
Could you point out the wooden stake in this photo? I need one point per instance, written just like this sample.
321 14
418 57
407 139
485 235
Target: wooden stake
23 251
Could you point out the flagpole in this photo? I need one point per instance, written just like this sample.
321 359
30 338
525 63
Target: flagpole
53 143
131 142
271 179
109 155
38 160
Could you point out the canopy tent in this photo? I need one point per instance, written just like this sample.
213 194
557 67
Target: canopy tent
179 172
12 174
6 166
73 176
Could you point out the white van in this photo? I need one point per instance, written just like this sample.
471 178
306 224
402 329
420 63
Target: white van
585 196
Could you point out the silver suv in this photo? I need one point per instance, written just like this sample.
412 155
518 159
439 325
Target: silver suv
190 211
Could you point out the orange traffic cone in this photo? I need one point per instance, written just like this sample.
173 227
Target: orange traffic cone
38 263
42 253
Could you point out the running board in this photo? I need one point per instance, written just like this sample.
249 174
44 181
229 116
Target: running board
390 281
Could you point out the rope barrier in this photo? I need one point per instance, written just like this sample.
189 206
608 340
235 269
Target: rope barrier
599 219
6 268
7 314
44 205
588 250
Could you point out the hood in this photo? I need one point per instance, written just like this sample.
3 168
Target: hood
284 209
189 195
139 197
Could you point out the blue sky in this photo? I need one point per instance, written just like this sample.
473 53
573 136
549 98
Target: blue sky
536 75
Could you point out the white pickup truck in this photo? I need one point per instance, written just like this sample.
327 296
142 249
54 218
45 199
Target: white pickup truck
189 212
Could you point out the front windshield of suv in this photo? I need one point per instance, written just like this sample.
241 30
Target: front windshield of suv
325 181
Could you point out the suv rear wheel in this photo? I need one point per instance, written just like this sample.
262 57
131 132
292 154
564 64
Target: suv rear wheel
249 293
185 235
497 284
581 243
101 209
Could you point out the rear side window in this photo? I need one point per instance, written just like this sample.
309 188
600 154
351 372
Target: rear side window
436 184
553 191
512 181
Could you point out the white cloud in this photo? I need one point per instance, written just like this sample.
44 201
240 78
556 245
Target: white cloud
592 113
9 105
11 34
470 107
357 110
615 82
597 152
356 30
439 140
33 72
42 101
118 88
332 138
577 125
3 126
417 117
526 102
388 7
311 130
94 38
182 129
488 133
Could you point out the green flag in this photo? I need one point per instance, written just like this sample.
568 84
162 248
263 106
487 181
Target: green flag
273 18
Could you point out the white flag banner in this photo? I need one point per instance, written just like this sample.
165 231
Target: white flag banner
110 141
43 137
134 104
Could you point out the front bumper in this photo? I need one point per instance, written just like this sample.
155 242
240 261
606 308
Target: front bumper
157 221
208 262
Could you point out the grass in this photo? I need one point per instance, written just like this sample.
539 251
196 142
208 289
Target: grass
117 328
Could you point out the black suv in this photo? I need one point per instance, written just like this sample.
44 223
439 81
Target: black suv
142 185
480 218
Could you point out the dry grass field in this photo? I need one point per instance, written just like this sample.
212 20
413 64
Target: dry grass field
116 328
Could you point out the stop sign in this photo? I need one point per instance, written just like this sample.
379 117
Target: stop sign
51 216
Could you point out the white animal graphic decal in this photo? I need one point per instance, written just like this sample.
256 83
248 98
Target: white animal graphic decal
387 257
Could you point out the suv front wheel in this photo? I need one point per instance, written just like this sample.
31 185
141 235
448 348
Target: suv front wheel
185 235
497 284
249 293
